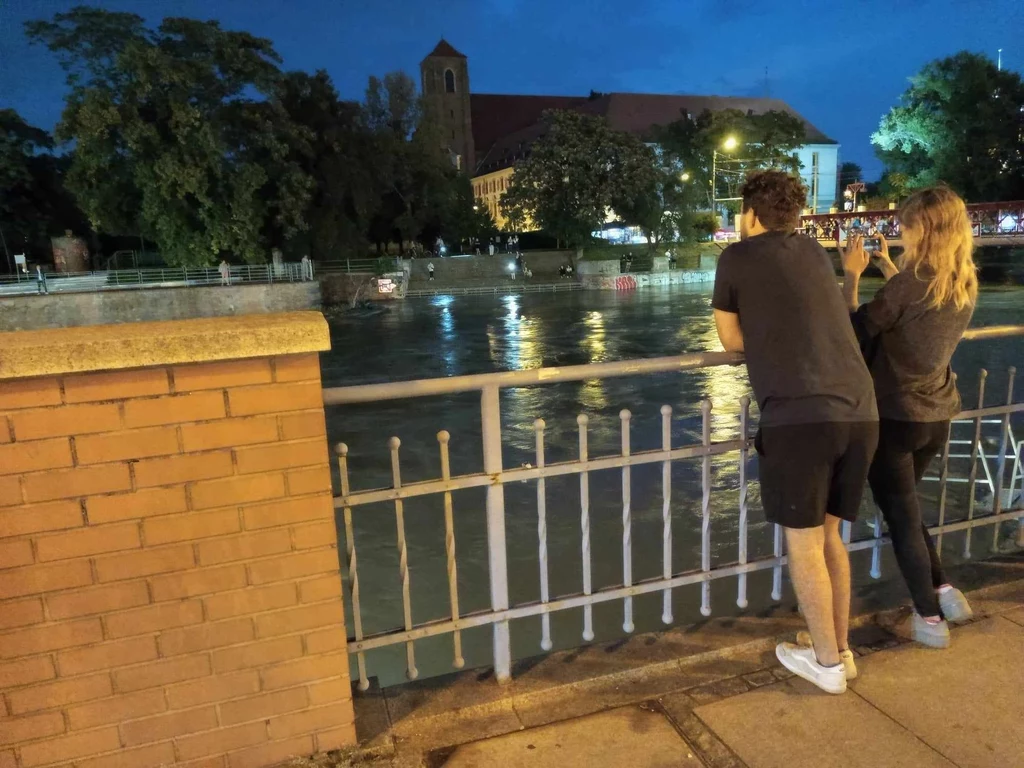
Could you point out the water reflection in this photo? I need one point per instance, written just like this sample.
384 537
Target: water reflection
592 391
448 335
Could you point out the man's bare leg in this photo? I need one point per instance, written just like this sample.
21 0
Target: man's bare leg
837 560
810 577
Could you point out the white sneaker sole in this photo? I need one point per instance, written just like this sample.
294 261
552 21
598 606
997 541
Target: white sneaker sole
799 671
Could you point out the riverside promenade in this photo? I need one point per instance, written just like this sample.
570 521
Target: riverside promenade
715 696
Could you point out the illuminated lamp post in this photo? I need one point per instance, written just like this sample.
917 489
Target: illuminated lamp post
728 145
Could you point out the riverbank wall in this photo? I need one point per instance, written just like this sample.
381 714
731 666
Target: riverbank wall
640 280
64 310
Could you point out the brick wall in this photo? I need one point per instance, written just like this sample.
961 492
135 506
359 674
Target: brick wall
169 583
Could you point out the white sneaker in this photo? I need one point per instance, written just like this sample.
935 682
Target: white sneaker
954 605
932 635
803 663
803 639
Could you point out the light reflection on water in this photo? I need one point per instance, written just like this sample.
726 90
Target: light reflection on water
448 336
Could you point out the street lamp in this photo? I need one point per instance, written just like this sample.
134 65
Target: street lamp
728 145
684 176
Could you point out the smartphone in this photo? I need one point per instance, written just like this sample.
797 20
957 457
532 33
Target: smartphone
872 244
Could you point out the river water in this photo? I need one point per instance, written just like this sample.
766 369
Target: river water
451 336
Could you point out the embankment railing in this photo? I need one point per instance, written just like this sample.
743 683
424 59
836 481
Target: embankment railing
495 476
157 277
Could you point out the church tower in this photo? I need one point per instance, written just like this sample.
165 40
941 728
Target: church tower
444 77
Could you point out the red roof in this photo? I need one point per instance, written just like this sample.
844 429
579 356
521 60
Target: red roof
638 112
444 49
505 126
495 116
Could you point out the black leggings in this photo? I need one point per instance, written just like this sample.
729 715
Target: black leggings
905 449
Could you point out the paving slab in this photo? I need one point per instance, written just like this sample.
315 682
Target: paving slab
1016 616
967 703
792 724
630 736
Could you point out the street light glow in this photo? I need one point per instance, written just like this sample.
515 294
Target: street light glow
729 144
684 177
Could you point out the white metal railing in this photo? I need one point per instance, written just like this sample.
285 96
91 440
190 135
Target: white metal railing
494 477
157 277
378 265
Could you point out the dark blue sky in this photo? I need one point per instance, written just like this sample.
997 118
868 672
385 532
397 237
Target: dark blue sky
841 64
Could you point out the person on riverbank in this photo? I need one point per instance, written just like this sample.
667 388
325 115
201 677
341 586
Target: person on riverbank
430 271
909 332
775 299
225 273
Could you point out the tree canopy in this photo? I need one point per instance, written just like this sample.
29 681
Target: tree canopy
767 140
178 133
959 122
33 201
193 137
576 173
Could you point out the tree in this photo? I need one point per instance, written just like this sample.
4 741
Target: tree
33 201
647 191
419 181
575 174
768 140
961 122
339 157
178 134
466 219
849 173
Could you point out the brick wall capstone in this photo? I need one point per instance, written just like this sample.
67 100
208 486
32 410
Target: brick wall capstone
170 591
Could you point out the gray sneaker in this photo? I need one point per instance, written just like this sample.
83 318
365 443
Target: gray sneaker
932 635
955 607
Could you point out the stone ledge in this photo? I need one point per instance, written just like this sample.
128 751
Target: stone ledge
25 354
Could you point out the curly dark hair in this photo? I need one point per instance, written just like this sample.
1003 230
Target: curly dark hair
776 199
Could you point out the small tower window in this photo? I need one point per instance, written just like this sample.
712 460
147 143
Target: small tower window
449 81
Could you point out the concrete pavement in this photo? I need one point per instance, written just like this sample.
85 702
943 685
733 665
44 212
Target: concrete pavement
714 695
911 706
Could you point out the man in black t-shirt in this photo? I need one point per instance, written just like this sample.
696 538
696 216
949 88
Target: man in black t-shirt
776 299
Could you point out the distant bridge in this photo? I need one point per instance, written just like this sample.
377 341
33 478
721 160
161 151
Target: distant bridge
993 223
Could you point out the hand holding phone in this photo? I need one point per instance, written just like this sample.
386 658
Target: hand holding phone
883 261
855 257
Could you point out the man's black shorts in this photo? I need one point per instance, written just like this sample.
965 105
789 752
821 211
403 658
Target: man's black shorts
808 470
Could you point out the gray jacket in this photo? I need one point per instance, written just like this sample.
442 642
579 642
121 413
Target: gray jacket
908 346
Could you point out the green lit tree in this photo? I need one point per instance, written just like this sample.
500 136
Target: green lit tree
959 122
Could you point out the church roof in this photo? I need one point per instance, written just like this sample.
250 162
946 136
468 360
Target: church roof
638 112
505 126
495 116
444 49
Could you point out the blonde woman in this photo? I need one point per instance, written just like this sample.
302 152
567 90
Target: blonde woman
909 332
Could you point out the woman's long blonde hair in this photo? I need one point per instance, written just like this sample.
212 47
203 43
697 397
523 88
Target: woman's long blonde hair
938 240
